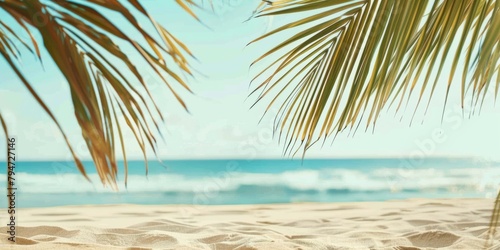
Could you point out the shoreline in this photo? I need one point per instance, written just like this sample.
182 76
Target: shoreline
397 224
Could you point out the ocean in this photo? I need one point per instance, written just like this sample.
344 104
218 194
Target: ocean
212 182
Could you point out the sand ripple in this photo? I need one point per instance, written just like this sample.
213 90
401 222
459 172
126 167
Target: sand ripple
401 225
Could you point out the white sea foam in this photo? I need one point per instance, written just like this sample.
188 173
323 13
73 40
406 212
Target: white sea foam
465 179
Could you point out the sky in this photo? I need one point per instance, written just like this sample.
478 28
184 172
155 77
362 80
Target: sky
220 123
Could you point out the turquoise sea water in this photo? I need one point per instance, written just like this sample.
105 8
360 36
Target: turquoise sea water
207 182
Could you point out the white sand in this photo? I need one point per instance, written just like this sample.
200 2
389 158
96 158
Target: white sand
410 224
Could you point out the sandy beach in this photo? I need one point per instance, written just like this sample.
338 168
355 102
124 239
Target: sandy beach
408 224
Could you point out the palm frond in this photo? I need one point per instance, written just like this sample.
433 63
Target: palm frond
350 58
495 219
84 44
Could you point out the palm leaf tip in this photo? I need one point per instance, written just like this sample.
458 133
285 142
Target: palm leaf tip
494 221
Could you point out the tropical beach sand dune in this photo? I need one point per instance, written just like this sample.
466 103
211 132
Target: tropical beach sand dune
408 224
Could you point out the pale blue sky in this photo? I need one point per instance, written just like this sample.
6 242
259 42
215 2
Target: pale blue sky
220 124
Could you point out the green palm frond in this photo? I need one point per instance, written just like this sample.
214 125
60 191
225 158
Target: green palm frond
348 59
83 43
495 219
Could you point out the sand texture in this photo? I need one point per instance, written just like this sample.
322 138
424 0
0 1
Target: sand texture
409 224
